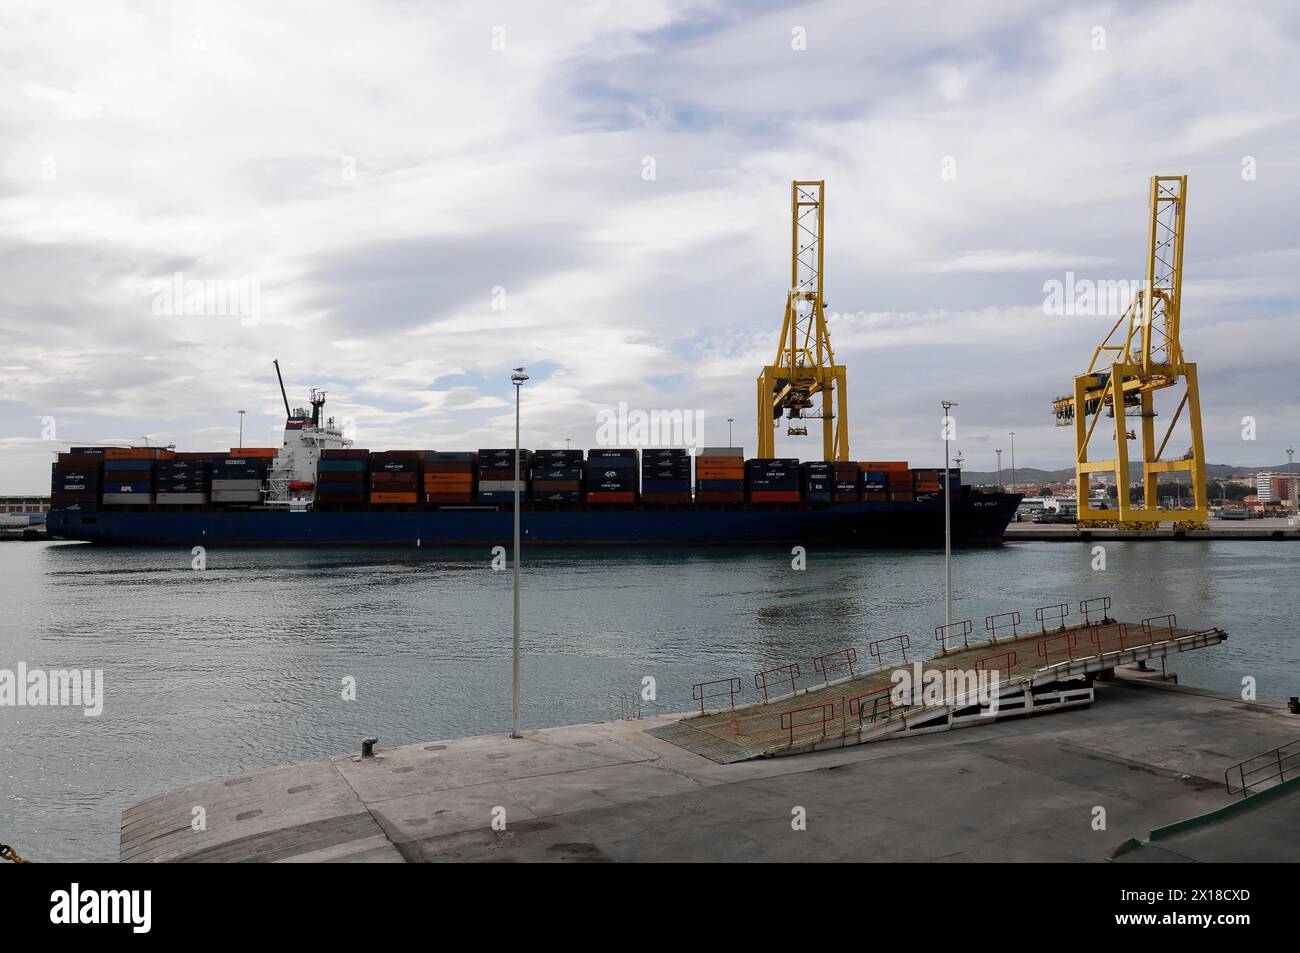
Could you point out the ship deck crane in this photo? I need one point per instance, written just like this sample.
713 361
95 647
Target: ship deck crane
1140 357
804 376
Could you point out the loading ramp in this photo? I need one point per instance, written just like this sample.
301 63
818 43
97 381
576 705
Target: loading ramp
1008 674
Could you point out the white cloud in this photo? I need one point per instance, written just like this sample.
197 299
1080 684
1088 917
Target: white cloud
379 169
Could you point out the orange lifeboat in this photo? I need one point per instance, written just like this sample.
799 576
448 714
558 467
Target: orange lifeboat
302 485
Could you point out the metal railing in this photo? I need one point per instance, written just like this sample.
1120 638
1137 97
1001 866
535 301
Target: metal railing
826 714
1058 612
700 691
1276 764
849 655
953 629
629 706
1100 604
1168 623
1068 639
982 664
789 671
881 704
904 643
1003 620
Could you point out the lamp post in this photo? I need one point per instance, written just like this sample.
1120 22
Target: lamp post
241 430
517 378
948 405
1013 461
999 453
730 421
1290 474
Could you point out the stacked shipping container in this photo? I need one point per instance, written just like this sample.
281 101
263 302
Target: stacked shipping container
77 478
341 477
772 481
720 475
85 477
129 475
496 475
186 479
557 476
239 476
395 477
666 475
818 481
449 477
885 479
611 476
847 485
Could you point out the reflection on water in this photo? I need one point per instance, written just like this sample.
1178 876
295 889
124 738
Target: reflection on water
241 666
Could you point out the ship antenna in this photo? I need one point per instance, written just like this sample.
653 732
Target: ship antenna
283 395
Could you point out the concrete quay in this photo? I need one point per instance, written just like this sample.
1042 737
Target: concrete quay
1150 754
1261 529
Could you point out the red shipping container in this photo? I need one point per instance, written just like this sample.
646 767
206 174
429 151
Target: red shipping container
557 486
666 496
875 497
80 461
840 496
719 496
620 496
340 454
775 496
901 496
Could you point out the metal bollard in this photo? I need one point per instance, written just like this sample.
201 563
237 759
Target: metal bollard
368 747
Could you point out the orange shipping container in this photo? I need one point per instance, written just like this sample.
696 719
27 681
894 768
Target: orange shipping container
254 451
889 466
393 497
720 473
719 462
133 453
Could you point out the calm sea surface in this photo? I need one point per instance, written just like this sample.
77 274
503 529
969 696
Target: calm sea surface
241 666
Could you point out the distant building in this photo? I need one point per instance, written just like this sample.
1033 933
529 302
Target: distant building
1276 487
24 504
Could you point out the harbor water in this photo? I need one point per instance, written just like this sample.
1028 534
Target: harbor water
249 662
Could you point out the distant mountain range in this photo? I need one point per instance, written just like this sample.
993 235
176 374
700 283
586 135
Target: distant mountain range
1215 471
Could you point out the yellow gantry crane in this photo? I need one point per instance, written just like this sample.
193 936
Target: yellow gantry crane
804 377
1140 356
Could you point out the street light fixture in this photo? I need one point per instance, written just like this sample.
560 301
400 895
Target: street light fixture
1290 474
730 421
241 430
1013 460
999 453
948 405
517 378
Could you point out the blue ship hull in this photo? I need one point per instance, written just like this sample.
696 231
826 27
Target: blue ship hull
976 519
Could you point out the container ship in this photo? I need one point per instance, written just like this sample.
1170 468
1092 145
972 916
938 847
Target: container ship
318 489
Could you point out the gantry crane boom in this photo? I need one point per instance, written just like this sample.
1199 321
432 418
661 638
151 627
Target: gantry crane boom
804 375
1142 355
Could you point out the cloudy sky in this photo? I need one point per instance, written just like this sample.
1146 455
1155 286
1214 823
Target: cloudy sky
420 196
